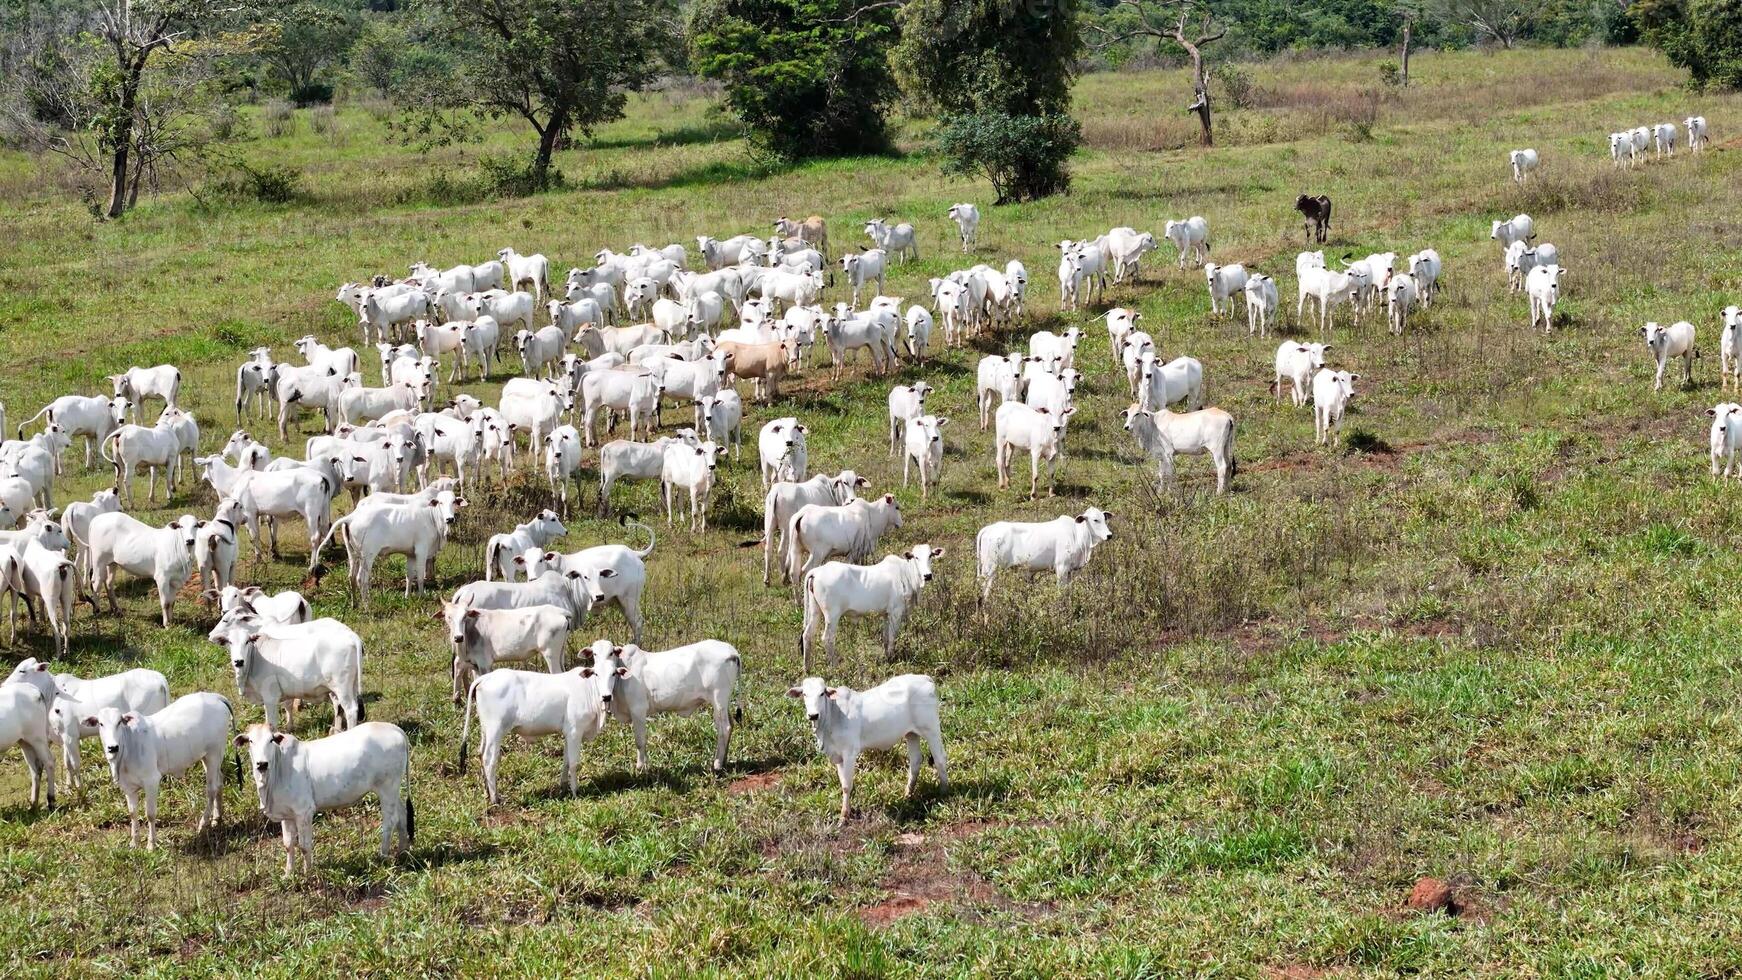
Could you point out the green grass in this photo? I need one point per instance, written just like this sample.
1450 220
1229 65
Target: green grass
1488 639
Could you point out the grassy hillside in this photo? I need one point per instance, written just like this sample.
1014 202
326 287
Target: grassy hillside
1488 638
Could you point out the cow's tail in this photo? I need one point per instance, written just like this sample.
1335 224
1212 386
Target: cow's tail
466 725
314 558
792 546
47 410
1228 447
492 553
103 449
628 519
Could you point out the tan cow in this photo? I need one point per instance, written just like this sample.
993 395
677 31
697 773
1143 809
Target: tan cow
813 231
764 363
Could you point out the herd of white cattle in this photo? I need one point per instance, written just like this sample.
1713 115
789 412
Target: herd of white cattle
636 330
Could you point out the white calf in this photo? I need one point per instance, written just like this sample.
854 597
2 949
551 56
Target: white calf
786 498
837 590
783 451
142 749
1261 302
967 219
165 554
502 549
1543 287
519 702
1523 162
691 469
483 638
1729 351
1037 430
1675 340
678 681
1162 435
1332 392
925 449
277 663
1297 362
296 780
139 690
818 532
1062 546
1191 237
905 402
1225 282
137 384
1726 437
848 722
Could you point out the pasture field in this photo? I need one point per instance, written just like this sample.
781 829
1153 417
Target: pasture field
1490 637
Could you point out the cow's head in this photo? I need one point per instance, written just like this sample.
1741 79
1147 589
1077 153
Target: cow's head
816 696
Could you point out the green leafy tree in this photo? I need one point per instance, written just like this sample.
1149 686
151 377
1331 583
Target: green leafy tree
563 66
301 40
809 77
1703 36
995 65
379 55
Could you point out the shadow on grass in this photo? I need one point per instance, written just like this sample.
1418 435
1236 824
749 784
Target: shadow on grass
708 132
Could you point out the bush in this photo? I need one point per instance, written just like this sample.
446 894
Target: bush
1238 92
279 117
1022 156
1703 36
312 93
1390 73
239 181
515 176
322 119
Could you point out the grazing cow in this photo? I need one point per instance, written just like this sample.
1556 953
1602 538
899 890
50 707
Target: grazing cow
1161 435
296 780
850 530
1226 282
1729 351
1519 229
1062 546
783 450
137 384
1037 430
1329 288
1125 248
1523 162
483 638
142 749
765 364
898 240
1543 287
905 402
1696 127
1298 363
838 590
24 711
1317 212
925 449
786 498
165 554
848 722
1261 303
634 392
1664 343
679 681
1332 392
573 704
1726 436
1400 298
93 417
139 690
1191 237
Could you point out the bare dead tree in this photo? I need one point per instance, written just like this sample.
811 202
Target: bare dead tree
1191 24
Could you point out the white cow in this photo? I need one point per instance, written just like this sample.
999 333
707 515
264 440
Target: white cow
142 749
502 549
689 468
1400 298
140 690
786 498
998 380
1181 379
1523 162
1298 362
925 450
1332 392
164 554
93 417
1162 435
898 240
1329 289
536 408
520 702
483 638
848 722
1729 352
838 590
1664 135
967 219
157 447
1726 437
304 492
1543 287
1519 229
1191 237
905 402
1697 138
292 661
1036 430
296 780
137 384
784 453
722 416
1425 266
1261 302
862 268
1225 282
818 532
635 394
679 681
1062 546
415 531
24 711
1664 343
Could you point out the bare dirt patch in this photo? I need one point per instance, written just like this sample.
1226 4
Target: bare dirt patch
919 876
753 783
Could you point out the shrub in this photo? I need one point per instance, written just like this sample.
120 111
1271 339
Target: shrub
1390 73
322 119
279 117
312 93
1703 36
240 181
1022 156
1238 92
515 176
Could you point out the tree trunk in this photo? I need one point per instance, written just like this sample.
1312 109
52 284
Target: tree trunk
121 137
548 137
1201 83
1405 72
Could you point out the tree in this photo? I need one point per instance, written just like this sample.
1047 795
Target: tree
304 38
1703 36
993 65
378 54
1192 25
1501 22
119 87
809 77
564 66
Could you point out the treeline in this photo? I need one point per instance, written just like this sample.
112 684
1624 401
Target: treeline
129 91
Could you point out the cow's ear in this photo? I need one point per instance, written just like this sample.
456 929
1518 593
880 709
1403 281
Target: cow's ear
831 692
586 671
908 555
519 559
889 498
89 722
551 556
795 692
1081 518
471 614
253 637
1106 515
277 738
129 718
607 573
240 741
574 575
939 553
